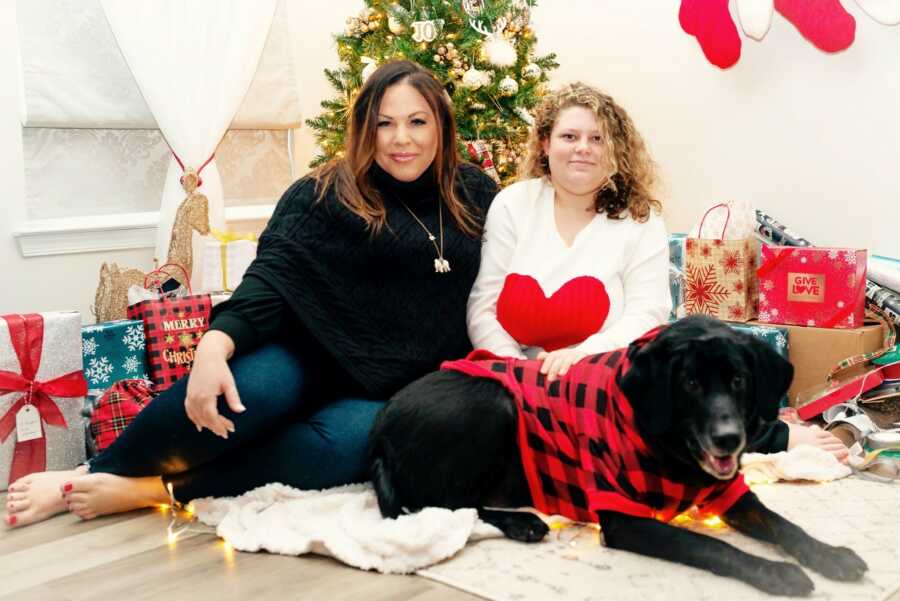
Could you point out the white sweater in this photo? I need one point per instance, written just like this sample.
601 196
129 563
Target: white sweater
630 260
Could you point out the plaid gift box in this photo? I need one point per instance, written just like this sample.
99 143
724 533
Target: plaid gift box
42 390
117 408
113 351
172 328
812 286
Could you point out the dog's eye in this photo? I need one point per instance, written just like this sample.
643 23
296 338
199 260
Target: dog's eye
737 382
691 385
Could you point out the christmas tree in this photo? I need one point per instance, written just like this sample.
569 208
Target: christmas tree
481 50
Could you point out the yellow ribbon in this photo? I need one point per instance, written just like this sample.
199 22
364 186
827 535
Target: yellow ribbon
224 239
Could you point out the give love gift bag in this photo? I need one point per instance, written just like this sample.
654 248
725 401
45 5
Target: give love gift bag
42 390
173 326
812 286
720 269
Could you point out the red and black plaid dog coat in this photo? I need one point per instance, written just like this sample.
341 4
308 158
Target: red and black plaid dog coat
580 447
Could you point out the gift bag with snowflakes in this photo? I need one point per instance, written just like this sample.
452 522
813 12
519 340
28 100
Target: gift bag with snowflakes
720 275
813 286
173 328
113 351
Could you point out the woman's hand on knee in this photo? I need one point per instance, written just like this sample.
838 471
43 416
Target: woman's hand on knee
209 378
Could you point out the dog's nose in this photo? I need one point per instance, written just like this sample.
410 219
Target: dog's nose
727 443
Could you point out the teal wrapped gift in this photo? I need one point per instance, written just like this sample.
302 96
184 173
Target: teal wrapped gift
774 336
113 351
676 274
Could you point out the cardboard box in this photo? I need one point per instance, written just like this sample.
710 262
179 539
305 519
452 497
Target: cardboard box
815 351
841 389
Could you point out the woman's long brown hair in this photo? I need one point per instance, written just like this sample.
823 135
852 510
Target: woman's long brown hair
350 174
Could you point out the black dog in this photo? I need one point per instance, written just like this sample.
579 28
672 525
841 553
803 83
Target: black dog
699 391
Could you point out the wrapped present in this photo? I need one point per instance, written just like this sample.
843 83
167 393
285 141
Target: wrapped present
226 257
775 336
676 274
812 286
774 232
720 275
172 328
113 351
117 408
42 390
850 385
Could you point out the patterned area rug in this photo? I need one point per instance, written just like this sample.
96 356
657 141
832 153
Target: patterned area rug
573 565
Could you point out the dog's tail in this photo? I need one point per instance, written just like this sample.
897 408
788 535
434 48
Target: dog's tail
388 500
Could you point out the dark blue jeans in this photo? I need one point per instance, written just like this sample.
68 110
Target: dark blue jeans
304 426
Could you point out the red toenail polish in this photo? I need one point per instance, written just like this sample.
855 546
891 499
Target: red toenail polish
12 520
67 486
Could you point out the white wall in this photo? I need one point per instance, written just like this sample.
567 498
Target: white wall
811 138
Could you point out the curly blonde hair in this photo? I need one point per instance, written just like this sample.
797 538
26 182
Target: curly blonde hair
632 171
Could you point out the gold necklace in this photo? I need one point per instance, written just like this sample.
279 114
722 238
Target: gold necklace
441 265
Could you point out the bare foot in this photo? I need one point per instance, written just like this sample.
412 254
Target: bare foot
92 495
36 497
817 437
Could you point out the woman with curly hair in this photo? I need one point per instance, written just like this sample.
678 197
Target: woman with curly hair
575 259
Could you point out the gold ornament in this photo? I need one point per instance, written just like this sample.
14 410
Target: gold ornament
396 15
508 86
531 71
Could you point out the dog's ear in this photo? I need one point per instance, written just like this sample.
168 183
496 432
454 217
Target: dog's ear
647 386
772 376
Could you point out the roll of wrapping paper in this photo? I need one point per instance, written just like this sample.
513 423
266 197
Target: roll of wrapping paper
773 232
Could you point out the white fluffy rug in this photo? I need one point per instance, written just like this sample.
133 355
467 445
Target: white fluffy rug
573 565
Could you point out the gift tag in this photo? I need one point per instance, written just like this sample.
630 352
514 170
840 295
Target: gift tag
28 423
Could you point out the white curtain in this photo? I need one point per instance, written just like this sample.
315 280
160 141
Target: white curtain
193 62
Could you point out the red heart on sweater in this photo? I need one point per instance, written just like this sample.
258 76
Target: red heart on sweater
578 309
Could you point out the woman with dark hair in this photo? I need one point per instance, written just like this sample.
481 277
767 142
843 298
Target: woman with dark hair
359 287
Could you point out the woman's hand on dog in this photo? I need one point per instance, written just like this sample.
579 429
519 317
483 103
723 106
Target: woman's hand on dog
558 362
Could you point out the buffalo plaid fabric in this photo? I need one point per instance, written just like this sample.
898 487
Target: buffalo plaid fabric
580 446
117 408
172 328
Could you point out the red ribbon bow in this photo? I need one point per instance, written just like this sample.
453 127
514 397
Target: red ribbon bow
27 335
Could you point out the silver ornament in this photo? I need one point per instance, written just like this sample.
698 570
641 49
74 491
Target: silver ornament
508 86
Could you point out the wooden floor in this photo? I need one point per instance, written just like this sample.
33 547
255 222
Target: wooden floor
127 557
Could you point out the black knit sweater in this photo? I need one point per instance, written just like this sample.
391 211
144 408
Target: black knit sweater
373 303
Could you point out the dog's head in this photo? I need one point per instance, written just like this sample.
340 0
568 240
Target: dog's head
700 389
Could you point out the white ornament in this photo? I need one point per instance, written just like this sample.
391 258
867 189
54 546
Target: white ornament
427 31
370 67
508 86
395 15
524 115
499 51
474 79
531 71
755 17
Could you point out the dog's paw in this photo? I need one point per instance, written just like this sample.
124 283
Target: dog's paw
836 563
782 578
519 525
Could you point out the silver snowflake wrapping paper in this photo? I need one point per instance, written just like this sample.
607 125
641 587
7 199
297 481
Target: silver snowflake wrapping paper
113 351
60 355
